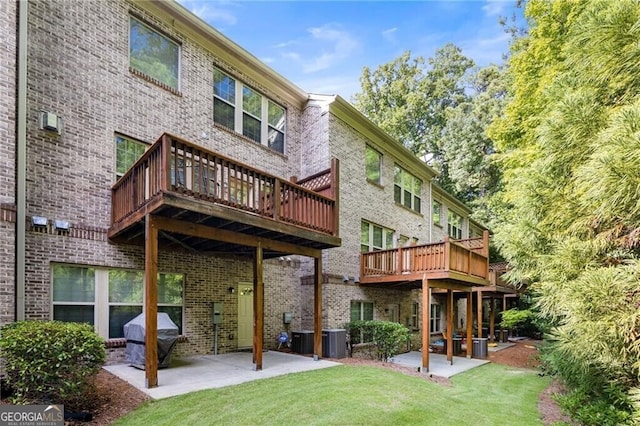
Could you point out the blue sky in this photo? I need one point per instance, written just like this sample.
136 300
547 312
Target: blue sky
322 46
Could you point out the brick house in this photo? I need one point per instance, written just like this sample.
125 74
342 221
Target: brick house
150 163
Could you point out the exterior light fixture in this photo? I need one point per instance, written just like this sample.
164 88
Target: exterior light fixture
62 225
39 221
231 290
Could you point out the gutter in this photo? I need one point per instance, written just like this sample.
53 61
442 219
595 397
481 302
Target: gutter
21 163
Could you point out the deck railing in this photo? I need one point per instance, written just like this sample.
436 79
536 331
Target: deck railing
468 257
174 165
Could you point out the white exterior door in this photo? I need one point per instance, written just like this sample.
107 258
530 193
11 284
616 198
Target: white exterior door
245 315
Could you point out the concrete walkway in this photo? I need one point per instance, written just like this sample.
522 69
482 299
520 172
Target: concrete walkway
438 364
215 371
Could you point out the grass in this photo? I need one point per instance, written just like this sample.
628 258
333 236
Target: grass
356 395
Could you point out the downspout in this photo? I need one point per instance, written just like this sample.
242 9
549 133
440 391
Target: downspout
21 157
431 210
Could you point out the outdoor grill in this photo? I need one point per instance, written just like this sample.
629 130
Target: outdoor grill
134 332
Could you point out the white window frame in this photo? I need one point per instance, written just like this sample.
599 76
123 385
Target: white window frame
239 112
435 318
436 212
169 40
101 303
415 315
407 183
369 149
387 237
128 139
455 231
361 304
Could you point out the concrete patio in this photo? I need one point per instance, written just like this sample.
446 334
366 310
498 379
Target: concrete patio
196 373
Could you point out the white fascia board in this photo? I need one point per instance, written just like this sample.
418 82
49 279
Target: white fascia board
342 109
184 21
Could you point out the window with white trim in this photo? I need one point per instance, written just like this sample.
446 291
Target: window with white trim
435 319
454 225
407 189
109 298
128 151
374 237
244 110
361 311
153 54
437 212
413 319
373 161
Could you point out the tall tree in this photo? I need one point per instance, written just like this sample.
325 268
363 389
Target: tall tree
467 149
570 151
408 98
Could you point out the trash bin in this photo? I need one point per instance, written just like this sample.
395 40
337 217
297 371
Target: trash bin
135 333
457 345
504 336
302 342
334 343
480 347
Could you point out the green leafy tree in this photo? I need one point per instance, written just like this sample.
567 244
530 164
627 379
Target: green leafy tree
440 108
467 149
569 144
409 99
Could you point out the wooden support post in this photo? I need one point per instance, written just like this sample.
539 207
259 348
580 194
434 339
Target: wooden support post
151 303
258 309
335 193
450 325
492 319
469 324
426 325
485 251
317 309
479 307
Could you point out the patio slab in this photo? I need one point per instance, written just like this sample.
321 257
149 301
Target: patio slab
438 364
190 374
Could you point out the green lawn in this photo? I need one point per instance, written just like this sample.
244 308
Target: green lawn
355 395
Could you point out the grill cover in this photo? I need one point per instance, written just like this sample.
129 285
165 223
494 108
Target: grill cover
134 332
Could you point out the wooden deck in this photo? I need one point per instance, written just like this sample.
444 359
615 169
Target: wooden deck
202 189
462 263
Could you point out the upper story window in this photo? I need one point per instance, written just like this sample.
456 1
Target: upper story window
242 109
154 55
454 226
407 189
374 237
373 160
127 152
437 212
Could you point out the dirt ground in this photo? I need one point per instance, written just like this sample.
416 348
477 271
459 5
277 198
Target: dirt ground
114 397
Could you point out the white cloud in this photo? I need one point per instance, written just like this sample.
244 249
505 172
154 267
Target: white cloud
486 50
336 45
211 12
390 34
495 7
343 85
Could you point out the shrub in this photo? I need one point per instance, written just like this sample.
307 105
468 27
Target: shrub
50 361
523 322
388 338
